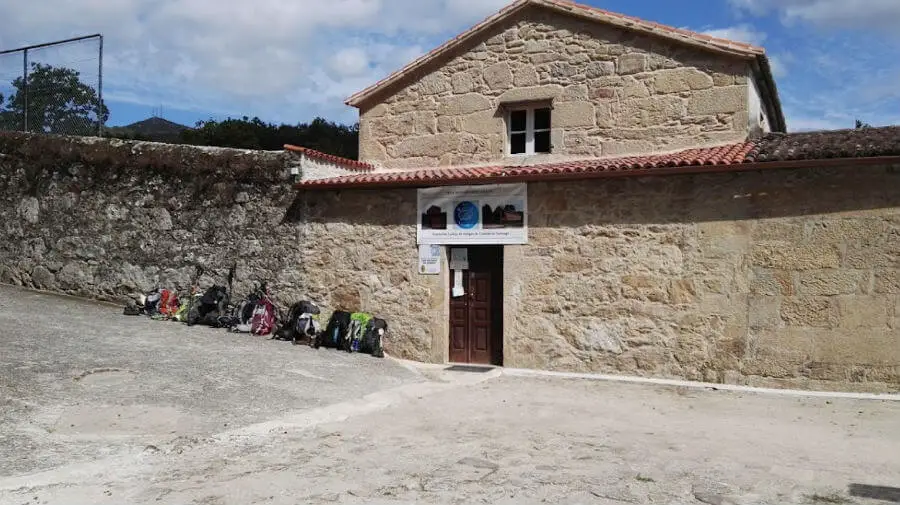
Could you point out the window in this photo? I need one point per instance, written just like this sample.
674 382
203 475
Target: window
529 131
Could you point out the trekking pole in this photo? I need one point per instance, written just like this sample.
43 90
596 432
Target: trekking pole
194 288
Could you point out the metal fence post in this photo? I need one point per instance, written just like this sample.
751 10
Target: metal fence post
25 89
100 91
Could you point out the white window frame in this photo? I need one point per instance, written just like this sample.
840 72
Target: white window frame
529 129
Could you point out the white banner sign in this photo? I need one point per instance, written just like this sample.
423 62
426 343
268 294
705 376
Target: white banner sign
460 215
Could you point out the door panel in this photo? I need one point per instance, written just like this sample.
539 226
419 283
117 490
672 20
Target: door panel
459 329
475 334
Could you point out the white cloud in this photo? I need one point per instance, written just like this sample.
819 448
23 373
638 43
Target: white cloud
863 14
739 33
284 61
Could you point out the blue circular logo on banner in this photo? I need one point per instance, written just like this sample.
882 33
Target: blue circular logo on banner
466 215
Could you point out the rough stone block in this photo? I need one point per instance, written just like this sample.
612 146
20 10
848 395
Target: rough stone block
429 145
602 93
632 63
858 347
76 275
535 93
573 114
833 282
680 80
462 82
778 230
526 76
720 79
887 280
571 263
809 311
645 287
562 69
575 92
781 349
537 46
718 100
764 312
683 291
434 84
29 210
865 311
771 282
43 278
596 69
464 104
481 123
857 231
498 76
787 256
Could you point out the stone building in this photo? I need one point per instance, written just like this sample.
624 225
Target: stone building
660 221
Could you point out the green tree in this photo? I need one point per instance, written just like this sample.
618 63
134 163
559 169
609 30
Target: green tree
860 125
246 133
57 102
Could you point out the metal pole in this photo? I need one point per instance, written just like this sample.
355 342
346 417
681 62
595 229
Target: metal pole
25 89
100 91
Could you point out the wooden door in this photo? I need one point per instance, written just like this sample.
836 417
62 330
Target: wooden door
475 317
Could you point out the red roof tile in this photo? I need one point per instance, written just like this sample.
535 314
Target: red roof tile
876 144
345 162
723 155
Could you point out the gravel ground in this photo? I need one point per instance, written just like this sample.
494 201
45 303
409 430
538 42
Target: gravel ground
178 415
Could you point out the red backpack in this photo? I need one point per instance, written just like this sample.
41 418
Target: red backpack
167 306
265 317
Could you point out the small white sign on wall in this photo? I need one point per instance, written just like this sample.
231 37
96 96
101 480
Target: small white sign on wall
459 258
429 259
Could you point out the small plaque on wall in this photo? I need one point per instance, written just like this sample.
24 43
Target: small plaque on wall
429 259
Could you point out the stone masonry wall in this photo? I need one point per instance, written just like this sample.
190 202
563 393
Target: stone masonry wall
613 92
360 251
109 219
773 278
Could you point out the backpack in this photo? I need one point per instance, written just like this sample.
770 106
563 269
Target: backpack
358 323
151 303
167 306
207 309
265 316
336 331
185 309
374 337
302 323
242 315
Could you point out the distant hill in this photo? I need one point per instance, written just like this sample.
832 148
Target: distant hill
155 129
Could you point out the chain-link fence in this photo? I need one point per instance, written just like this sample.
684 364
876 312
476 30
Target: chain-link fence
55 87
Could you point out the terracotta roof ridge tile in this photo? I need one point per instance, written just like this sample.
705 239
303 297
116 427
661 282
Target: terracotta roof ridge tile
346 162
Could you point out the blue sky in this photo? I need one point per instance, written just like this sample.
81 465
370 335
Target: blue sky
289 61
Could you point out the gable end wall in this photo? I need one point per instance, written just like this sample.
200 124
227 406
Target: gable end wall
613 92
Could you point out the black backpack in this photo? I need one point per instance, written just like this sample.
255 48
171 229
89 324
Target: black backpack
373 337
336 331
209 308
297 330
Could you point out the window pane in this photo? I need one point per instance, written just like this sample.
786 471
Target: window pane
542 142
517 143
517 120
542 119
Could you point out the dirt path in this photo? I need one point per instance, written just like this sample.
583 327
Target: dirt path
395 436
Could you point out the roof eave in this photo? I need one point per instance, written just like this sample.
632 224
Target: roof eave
762 71
747 166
